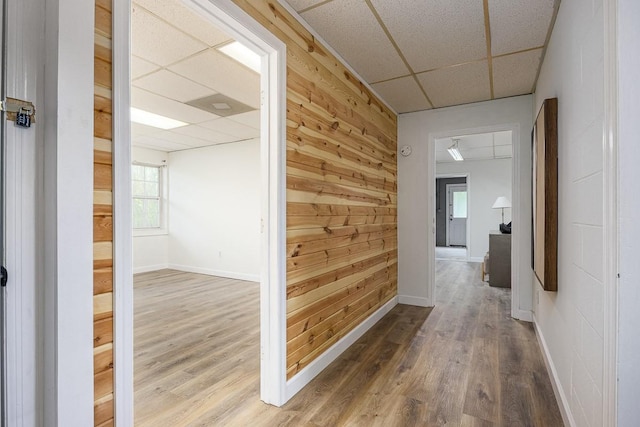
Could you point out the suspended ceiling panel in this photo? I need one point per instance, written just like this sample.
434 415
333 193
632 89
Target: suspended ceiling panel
216 71
484 146
515 74
516 24
187 21
140 67
176 61
450 39
350 27
404 92
457 85
434 34
173 86
158 42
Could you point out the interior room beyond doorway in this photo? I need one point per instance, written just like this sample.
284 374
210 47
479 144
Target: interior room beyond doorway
197 210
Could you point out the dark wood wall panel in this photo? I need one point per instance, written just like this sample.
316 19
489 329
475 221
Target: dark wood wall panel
341 193
103 218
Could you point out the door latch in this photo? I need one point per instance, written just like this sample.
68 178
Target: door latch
19 111
4 276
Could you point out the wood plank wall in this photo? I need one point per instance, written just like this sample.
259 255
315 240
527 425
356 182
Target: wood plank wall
341 193
103 219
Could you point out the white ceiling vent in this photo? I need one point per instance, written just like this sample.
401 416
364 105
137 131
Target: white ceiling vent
220 105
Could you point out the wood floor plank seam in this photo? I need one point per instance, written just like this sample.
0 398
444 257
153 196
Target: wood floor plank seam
465 362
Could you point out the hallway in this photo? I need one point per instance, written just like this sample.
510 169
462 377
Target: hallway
463 363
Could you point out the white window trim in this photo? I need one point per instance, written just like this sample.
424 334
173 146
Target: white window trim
163 230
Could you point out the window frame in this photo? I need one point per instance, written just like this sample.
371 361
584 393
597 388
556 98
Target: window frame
162 200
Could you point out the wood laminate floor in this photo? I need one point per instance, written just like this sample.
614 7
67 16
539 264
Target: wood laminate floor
463 363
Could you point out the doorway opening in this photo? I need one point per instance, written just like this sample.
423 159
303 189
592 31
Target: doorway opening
467 184
451 214
178 74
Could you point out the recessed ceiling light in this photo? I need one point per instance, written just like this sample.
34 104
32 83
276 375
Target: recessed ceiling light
155 120
242 54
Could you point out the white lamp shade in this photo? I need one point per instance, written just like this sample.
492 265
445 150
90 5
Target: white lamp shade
501 202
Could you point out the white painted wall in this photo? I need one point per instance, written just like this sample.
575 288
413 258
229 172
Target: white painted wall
416 174
150 250
629 158
570 322
488 179
214 210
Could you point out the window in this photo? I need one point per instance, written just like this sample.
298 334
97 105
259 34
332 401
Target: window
459 204
147 196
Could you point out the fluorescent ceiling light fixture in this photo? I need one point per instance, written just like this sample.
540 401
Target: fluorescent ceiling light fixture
454 152
243 55
155 120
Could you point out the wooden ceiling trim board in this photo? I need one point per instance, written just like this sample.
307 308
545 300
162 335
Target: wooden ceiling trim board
447 67
397 48
517 52
552 24
322 3
402 76
487 32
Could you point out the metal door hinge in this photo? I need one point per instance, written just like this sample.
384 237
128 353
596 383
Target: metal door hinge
4 276
19 111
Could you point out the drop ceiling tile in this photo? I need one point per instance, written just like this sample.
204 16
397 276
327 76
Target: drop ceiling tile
443 157
403 94
502 138
519 24
250 118
173 86
476 140
435 33
222 74
157 104
157 144
183 18
207 135
461 84
515 74
229 127
156 41
504 151
299 5
140 130
477 153
178 138
140 67
352 30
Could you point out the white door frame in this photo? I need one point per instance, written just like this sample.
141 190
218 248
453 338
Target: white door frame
515 184
448 203
233 20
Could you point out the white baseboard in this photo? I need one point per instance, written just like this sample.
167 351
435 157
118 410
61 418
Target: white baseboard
476 259
219 273
148 268
303 378
418 301
561 398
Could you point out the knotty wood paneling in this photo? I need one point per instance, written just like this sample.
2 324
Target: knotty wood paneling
103 218
341 193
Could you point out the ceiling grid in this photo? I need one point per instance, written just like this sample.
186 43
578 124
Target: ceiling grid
441 43
416 54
